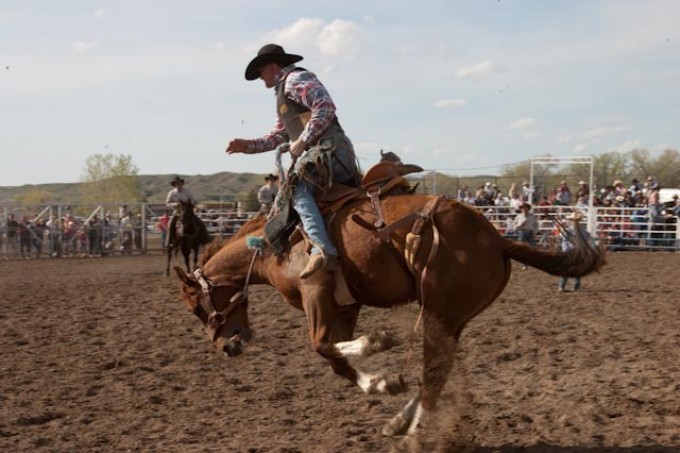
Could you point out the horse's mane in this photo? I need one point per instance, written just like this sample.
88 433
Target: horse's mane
215 246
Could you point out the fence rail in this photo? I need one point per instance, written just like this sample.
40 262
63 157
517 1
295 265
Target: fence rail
88 230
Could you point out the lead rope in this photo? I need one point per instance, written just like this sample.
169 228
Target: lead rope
250 271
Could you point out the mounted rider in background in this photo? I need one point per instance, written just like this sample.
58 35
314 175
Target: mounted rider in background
174 200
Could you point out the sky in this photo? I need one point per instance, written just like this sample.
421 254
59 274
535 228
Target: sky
457 86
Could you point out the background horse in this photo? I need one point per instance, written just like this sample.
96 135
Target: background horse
188 235
461 266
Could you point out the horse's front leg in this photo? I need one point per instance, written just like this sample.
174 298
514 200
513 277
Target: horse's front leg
186 251
167 269
317 302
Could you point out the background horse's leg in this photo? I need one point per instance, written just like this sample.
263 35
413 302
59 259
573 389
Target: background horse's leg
167 269
196 253
186 251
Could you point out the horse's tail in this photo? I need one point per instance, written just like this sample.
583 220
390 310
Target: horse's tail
582 259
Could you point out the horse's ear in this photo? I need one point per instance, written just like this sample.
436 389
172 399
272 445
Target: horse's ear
182 275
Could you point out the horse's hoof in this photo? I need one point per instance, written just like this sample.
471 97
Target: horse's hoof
396 385
397 426
408 444
382 340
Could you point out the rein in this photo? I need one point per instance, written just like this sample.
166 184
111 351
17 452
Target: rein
216 319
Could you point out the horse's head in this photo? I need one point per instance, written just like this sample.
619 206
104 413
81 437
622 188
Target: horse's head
187 209
222 307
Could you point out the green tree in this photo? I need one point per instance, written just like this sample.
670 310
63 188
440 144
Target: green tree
666 168
607 167
110 178
521 171
36 196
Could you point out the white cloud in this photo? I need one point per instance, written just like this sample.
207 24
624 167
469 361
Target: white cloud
219 46
340 37
82 46
599 132
531 135
580 148
444 103
478 71
564 139
661 147
628 145
99 13
441 151
522 123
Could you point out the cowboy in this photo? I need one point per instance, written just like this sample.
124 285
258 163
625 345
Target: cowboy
526 224
322 154
267 194
575 222
175 197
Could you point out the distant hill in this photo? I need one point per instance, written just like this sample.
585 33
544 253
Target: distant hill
228 186
154 188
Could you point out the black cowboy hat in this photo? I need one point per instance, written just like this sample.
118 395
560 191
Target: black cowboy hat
271 177
176 181
271 53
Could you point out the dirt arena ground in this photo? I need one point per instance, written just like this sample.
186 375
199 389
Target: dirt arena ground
100 355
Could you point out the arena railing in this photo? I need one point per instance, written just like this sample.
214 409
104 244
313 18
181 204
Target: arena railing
618 228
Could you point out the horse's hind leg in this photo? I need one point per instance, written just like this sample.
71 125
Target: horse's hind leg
439 346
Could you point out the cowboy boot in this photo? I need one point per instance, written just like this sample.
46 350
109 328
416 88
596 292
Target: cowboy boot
319 262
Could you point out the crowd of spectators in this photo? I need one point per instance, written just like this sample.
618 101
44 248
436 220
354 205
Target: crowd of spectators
632 215
70 235
119 232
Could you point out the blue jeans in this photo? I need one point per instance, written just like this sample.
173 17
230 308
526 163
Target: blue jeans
563 283
344 168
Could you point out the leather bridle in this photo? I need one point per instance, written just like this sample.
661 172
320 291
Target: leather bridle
217 319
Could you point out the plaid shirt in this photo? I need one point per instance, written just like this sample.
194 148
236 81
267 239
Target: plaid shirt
305 89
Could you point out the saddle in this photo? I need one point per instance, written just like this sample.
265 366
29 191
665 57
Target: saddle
384 178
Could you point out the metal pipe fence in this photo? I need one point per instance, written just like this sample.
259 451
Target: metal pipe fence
56 231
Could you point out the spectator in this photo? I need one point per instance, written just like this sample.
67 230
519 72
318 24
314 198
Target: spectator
126 227
653 202
39 230
582 190
526 191
563 195
635 186
267 194
526 225
24 232
94 236
567 244
53 226
463 194
618 188
12 236
137 226
162 226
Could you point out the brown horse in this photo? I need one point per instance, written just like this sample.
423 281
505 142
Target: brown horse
461 266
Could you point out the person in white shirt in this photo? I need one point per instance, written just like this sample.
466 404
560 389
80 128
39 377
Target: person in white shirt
526 224
267 194
173 201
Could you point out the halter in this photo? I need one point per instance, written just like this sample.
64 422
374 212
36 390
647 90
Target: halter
216 319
